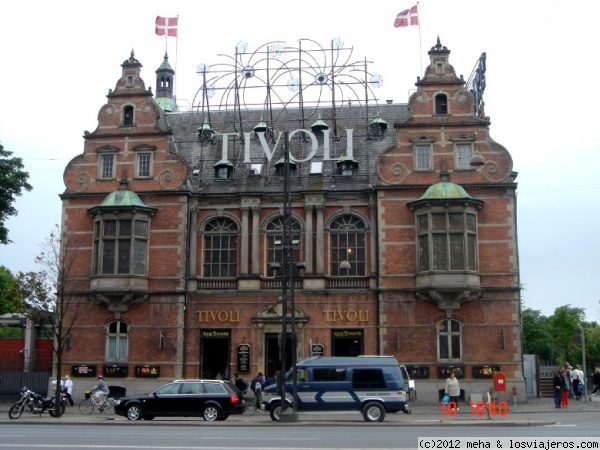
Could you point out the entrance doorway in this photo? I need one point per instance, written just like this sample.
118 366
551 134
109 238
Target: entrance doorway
347 342
215 354
273 353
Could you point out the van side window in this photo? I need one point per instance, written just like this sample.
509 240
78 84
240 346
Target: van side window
302 375
368 379
329 374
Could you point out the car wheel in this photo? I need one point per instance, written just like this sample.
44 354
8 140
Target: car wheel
211 413
374 412
223 417
275 411
134 412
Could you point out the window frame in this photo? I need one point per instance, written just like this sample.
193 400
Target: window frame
420 158
139 163
431 237
126 248
117 342
274 251
106 166
463 152
449 341
221 260
348 235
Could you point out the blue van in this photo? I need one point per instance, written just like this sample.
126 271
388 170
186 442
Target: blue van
373 385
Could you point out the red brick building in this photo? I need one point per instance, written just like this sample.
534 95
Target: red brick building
397 223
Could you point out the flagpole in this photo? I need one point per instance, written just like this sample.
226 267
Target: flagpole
176 60
420 43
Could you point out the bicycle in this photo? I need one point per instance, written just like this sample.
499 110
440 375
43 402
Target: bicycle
87 405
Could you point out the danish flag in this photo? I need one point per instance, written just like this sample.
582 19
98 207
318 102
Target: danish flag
407 17
166 25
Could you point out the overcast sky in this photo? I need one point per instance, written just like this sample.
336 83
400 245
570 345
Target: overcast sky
60 58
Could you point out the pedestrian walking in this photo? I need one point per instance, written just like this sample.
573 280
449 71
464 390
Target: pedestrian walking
257 384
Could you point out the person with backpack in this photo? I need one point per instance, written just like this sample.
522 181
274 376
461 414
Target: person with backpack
257 384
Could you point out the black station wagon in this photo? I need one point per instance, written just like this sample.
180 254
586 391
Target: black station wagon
209 399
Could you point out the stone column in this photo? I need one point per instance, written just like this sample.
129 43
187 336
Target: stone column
255 239
244 244
308 247
320 233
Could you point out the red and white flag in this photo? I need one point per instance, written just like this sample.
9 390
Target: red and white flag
407 17
166 25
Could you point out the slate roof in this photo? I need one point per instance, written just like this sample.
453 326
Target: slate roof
202 157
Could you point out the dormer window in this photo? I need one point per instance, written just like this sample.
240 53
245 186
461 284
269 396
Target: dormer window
441 104
223 170
128 116
347 166
280 168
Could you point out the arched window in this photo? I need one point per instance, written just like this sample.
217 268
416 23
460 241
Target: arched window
117 341
220 248
348 251
441 104
275 241
449 340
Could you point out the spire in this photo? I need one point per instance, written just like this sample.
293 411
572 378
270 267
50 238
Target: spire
165 78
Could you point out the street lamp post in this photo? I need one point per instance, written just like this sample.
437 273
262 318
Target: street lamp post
288 288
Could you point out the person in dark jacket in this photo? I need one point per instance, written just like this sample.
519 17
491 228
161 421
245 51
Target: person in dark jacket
559 385
596 381
257 384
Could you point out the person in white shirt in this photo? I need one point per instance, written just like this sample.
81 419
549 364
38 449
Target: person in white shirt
577 376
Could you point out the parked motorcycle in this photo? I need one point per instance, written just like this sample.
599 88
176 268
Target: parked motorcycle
35 404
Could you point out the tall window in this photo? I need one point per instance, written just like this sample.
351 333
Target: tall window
128 115
449 340
423 157
275 242
220 248
348 251
120 247
441 104
463 156
143 165
107 166
116 341
447 241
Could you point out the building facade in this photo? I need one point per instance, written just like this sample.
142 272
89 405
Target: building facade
369 229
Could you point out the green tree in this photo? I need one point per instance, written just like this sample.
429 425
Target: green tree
537 336
562 324
12 182
50 295
10 300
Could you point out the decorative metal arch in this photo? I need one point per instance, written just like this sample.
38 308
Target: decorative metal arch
288 85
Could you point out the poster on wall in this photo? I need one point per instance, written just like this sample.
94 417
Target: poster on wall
317 350
243 357
83 370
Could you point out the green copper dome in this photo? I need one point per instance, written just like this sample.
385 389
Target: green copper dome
123 197
445 190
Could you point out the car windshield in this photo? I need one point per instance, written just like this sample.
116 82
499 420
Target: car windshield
172 388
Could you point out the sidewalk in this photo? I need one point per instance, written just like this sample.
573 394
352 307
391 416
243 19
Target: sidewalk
532 413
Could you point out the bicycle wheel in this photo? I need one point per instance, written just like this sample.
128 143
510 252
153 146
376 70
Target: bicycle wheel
109 406
86 406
